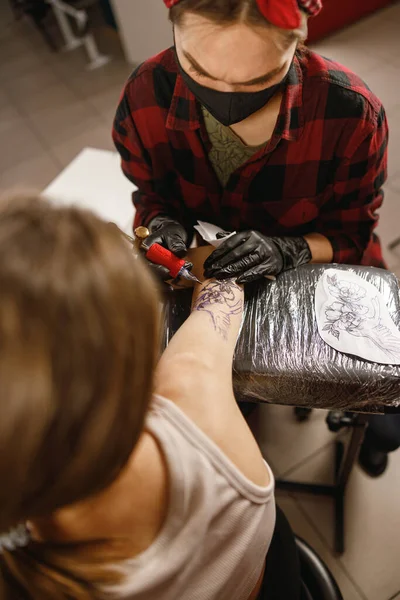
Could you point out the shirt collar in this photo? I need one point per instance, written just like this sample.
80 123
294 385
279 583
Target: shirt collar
185 115
291 116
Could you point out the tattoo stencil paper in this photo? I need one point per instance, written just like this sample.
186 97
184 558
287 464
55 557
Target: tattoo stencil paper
353 318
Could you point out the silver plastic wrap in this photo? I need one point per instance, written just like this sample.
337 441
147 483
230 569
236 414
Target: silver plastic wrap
280 356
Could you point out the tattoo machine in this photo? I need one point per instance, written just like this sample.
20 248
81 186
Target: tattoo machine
159 255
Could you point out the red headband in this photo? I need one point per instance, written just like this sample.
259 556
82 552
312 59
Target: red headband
281 13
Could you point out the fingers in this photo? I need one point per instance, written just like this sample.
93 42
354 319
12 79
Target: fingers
154 238
236 268
172 241
240 253
159 271
257 272
248 256
226 247
162 273
177 245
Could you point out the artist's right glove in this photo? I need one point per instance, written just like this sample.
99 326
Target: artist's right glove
168 233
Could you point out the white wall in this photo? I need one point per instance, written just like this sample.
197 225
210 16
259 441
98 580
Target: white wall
143 26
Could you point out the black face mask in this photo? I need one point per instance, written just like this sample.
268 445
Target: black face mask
229 107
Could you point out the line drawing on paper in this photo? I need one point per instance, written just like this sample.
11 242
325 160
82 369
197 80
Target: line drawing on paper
354 312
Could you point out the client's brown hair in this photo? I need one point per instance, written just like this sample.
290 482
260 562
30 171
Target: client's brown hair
78 331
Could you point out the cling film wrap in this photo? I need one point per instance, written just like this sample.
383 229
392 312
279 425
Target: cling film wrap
280 357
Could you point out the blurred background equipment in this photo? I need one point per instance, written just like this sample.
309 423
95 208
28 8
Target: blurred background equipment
38 11
82 35
73 21
338 14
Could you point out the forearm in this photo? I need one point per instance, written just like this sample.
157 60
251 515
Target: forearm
217 311
195 372
211 331
350 215
350 239
196 368
320 247
149 206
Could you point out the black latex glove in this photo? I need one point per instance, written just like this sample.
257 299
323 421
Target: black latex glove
170 234
249 255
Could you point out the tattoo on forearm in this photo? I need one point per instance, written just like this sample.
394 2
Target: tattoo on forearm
223 294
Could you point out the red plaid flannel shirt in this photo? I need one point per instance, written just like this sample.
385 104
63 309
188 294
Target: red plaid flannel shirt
322 170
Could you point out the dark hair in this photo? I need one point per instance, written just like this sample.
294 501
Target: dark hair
78 331
220 11
227 12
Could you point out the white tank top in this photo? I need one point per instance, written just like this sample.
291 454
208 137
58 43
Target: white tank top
218 527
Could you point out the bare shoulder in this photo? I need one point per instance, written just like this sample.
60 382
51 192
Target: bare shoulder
133 508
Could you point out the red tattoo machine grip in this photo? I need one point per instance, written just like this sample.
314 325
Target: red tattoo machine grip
161 256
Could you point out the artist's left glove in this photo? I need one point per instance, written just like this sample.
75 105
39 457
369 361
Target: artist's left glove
249 255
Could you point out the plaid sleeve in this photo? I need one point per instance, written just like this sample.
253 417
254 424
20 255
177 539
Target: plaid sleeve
350 216
132 122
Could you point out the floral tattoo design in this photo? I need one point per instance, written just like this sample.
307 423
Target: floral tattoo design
221 295
358 315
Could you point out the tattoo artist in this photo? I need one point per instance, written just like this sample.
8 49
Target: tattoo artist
239 124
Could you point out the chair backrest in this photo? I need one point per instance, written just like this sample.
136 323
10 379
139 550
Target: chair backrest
315 574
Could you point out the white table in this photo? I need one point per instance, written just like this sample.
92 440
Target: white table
94 180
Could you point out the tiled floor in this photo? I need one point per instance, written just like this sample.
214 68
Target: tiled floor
50 105
50 108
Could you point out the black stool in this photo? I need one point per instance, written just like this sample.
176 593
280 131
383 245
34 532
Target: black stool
317 580
293 569
344 462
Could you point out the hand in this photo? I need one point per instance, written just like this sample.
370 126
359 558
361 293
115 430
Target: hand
170 234
250 255
196 256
